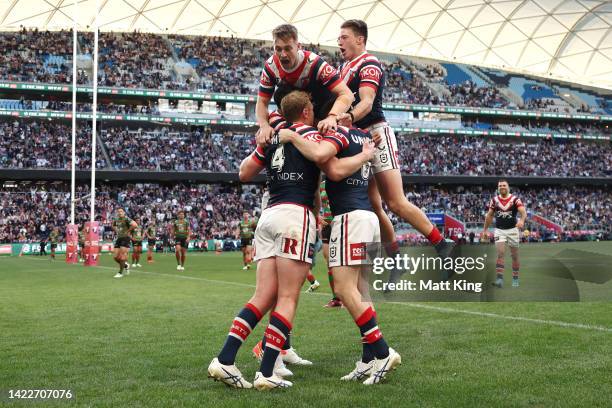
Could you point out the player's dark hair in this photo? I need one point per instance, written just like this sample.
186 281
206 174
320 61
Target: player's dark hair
503 181
293 104
282 90
285 32
359 27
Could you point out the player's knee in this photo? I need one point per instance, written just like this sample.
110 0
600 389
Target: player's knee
397 202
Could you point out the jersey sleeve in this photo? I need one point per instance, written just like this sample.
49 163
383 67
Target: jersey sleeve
491 205
519 203
277 121
327 76
339 140
370 74
267 82
259 156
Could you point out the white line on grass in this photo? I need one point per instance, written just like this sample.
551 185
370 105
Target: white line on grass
414 305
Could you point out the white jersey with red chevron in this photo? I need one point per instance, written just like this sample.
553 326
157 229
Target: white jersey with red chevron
505 210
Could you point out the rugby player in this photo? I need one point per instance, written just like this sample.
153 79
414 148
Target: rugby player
137 237
151 235
325 233
181 233
353 227
299 69
363 74
53 238
504 207
247 228
122 226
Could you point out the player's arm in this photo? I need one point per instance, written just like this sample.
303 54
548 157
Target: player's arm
487 223
344 99
132 226
314 151
317 204
523 217
366 101
252 165
338 169
265 93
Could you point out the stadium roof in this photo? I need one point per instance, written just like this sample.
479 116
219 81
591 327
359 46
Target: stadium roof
569 39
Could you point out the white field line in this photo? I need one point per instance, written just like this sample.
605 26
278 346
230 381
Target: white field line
413 305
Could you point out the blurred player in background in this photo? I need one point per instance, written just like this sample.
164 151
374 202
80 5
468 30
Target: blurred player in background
137 237
53 239
325 234
82 244
504 207
122 226
151 236
181 233
363 74
247 230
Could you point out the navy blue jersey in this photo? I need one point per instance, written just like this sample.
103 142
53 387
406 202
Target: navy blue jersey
291 177
351 193
505 210
312 75
365 70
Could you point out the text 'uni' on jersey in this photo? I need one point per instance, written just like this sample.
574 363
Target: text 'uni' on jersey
312 74
505 210
365 71
351 193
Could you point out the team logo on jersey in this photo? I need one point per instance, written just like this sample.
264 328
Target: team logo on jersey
332 252
384 158
278 160
365 171
358 251
289 245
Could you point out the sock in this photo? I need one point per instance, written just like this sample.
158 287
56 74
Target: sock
277 333
310 278
392 249
499 269
149 256
515 269
287 344
242 326
330 276
370 333
434 236
367 354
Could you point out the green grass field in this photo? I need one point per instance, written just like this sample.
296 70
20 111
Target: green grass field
146 340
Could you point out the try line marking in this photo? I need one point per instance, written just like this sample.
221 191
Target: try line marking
413 305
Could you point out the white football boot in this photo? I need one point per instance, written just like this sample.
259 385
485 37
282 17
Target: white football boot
362 371
268 383
291 357
383 366
227 374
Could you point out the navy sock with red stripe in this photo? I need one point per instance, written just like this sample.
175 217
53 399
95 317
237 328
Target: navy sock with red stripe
242 326
277 334
370 333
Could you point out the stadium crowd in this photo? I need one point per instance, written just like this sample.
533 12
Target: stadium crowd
214 211
218 64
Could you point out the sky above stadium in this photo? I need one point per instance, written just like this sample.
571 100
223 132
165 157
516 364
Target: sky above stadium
569 39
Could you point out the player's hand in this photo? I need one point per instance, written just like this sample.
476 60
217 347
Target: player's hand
484 237
520 224
330 122
321 221
368 150
286 135
376 138
264 135
344 119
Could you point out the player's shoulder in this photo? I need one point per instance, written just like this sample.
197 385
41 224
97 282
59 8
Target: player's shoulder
371 59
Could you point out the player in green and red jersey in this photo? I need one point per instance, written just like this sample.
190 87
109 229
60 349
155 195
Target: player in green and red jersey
247 231
137 237
53 238
181 232
123 226
151 235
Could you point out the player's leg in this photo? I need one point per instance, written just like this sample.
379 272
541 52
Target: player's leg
138 253
244 256
513 243
223 367
177 253
184 254
291 274
389 181
314 283
325 235
387 232
150 252
500 249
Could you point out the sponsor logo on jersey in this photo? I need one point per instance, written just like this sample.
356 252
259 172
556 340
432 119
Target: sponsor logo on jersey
358 251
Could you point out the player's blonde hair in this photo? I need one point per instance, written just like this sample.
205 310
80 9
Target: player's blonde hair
293 104
285 32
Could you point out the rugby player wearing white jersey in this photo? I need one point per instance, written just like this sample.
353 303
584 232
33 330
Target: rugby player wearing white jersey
504 207
304 70
363 74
